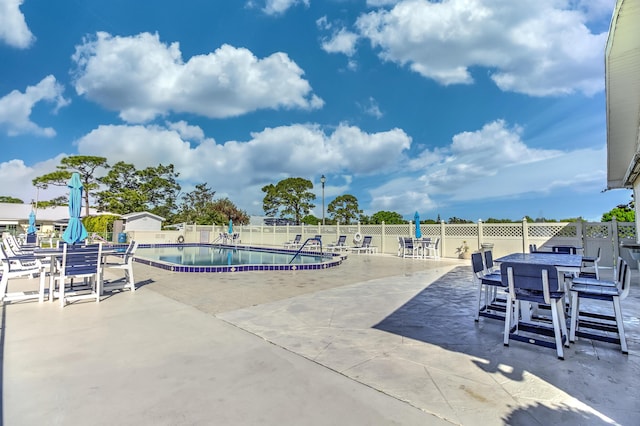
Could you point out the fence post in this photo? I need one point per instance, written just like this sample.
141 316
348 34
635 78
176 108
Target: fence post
615 240
579 224
383 236
480 235
442 240
525 235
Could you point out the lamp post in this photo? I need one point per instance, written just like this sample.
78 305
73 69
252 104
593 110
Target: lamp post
322 181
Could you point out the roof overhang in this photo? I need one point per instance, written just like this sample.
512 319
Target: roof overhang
622 80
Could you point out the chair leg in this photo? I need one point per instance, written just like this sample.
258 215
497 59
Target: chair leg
479 300
43 277
61 293
563 327
555 315
575 311
3 286
507 318
620 324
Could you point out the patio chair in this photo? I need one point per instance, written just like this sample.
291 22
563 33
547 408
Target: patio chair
77 262
599 290
489 266
590 266
409 249
17 267
365 246
564 249
537 284
125 265
295 243
488 283
432 249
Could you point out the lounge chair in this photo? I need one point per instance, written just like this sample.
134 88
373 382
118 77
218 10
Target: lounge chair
366 246
295 243
339 245
20 267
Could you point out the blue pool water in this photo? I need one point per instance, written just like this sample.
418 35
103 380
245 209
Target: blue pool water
221 258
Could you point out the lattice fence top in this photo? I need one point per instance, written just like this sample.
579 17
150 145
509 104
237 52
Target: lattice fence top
464 230
548 230
502 230
626 231
596 230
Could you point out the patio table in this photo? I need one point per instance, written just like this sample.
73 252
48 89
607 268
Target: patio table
564 263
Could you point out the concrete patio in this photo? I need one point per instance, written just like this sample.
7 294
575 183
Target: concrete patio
378 340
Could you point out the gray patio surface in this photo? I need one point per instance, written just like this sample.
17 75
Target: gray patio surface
379 340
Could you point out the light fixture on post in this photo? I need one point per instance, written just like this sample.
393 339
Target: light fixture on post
322 181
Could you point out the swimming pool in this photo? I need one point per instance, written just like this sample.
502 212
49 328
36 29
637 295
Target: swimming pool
226 258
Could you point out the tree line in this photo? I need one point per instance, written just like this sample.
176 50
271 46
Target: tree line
121 188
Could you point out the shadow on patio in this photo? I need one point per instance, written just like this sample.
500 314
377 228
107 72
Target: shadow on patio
594 373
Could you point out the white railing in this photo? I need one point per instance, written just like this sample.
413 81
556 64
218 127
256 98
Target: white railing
505 237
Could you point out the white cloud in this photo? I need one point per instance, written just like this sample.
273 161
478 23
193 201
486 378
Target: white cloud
13 27
323 23
371 108
16 177
278 7
492 163
531 47
16 107
186 131
142 78
342 41
240 169
380 3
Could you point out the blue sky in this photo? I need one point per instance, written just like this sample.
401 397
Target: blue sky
465 108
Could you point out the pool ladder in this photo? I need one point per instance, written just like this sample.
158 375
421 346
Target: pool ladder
303 245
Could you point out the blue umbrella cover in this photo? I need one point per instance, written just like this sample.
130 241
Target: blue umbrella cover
416 219
32 223
230 226
75 231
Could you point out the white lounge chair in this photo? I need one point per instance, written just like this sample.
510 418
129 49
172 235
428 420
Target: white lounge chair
295 243
366 246
20 267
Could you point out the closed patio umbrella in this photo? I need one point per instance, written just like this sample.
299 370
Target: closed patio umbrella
416 219
75 231
32 223
230 227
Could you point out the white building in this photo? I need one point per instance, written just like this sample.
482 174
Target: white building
142 221
622 79
14 218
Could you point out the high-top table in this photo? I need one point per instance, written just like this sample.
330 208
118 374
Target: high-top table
564 263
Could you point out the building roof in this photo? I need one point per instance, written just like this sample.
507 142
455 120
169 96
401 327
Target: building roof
136 215
622 79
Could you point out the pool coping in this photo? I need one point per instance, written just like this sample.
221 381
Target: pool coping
334 259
